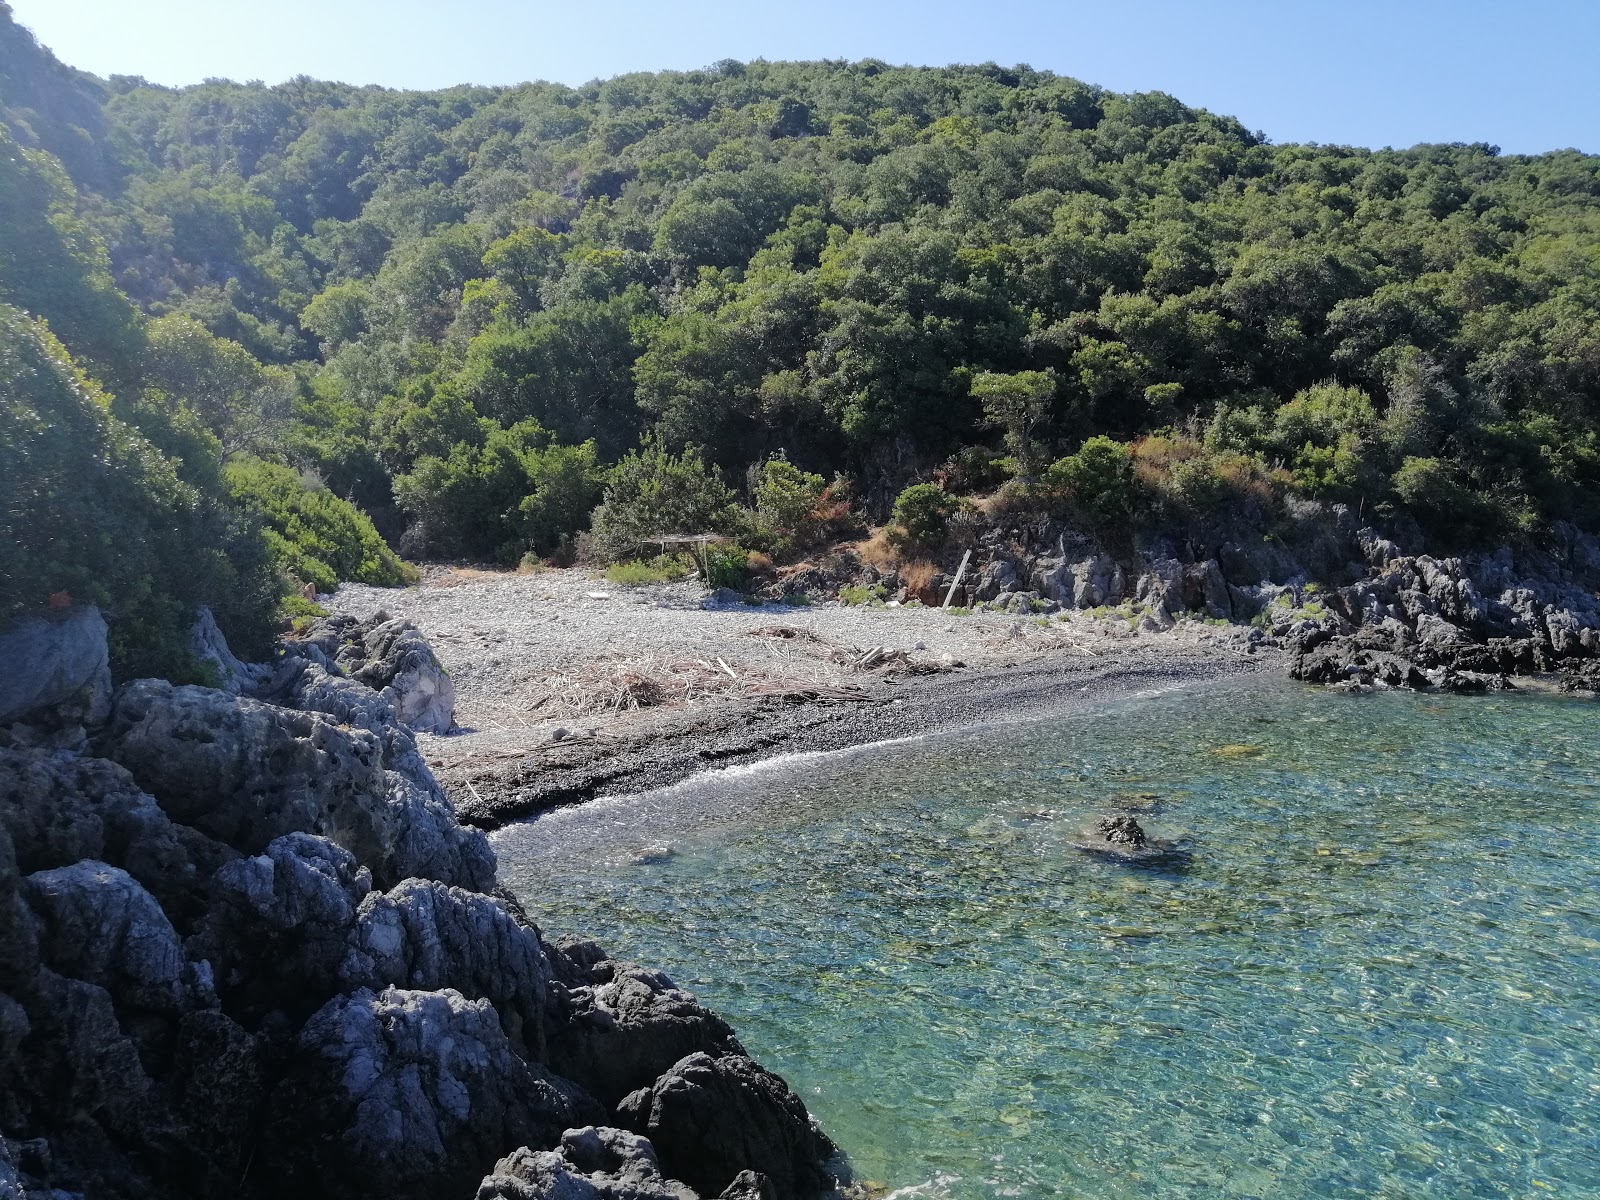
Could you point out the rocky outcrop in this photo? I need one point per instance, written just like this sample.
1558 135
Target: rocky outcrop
247 950
408 1094
392 658
710 1119
627 1026
244 772
590 1164
210 647
56 666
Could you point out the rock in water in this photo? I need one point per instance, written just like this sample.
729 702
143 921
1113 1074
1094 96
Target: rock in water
407 1095
56 663
1122 831
712 1118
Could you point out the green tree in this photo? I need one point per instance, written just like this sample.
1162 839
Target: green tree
1017 404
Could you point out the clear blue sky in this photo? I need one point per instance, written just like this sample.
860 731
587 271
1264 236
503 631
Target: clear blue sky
1522 74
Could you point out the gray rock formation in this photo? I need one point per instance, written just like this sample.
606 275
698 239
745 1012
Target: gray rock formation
56 664
624 1030
246 772
425 935
407 1094
392 658
590 1164
202 995
710 1119
207 643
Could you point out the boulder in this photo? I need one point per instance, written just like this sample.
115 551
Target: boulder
710 1119
590 1164
277 926
62 808
98 925
406 1095
621 1034
207 643
245 773
57 668
425 935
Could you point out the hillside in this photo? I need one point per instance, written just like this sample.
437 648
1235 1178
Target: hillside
461 309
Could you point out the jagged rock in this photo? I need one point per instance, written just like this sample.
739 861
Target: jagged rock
215 1089
61 808
425 935
57 668
392 658
406 1095
82 1067
749 1185
710 1119
591 1164
98 925
246 773
1121 831
207 643
621 1034
278 925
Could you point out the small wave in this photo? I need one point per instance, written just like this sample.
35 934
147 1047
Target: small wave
936 1188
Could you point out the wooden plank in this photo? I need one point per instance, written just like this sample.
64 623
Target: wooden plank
956 582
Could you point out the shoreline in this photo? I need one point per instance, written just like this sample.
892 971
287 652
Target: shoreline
492 792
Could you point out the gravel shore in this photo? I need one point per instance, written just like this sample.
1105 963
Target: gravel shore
569 686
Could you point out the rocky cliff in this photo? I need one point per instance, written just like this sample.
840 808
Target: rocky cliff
246 949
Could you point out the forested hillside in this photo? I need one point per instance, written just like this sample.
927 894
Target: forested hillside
461 309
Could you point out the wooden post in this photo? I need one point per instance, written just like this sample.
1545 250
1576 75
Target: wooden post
956 582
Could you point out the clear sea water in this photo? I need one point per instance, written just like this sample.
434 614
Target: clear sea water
1378 974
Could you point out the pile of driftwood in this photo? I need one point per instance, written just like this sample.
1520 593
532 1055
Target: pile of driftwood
620 683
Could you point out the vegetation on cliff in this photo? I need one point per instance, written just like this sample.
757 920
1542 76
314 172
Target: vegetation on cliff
466 310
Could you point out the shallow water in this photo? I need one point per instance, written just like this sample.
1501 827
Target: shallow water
1377 975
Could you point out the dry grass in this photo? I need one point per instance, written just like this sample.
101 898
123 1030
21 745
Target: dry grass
918 574
878 551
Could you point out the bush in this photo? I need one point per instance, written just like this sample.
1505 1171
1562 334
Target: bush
1096 484
497 497
787 500
638 572
922 514
314 534
727 567
651 492
88 507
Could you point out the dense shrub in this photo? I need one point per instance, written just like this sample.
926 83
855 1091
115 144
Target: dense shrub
922 516
652 492
1095 484
316 535
89 508
499 496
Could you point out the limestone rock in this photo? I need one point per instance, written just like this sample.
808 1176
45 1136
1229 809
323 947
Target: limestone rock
61 808
622 1034
100 926
207 643
277 926
425 935
57 666
246 773
393 658
710 1119
406 1095
590 1164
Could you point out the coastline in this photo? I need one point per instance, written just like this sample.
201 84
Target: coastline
508 765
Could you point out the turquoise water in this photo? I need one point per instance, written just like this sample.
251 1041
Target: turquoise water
1377 975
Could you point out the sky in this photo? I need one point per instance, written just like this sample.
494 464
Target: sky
1520 74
